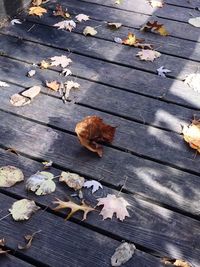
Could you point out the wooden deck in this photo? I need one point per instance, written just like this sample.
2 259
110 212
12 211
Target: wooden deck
162 173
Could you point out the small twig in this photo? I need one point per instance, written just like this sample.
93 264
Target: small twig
31 28
126 177
1 219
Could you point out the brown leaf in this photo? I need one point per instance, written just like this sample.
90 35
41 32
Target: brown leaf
73 180
114 25
92 130
132 40
154 26
175 262
54 85
191 134
2 244
12 150
73 207
29 239
60 12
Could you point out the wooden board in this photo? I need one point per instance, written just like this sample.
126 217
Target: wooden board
9 8
11 261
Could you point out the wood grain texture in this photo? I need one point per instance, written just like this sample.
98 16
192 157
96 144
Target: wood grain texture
11 261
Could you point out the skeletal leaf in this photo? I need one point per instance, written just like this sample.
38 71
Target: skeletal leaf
60 12
66 25
123 254
113 204
62 61
162 71
41 183
4 84
89 31
31 73
156 3
118 40
148 55
66 72
28 239
10 175
193 81
114 25
15 21
94 184
18 100
82 17
92 130
73 180
175 262
191 134
37 10
44 64
23 209
195 22
73 207
154 26
31 92
54 85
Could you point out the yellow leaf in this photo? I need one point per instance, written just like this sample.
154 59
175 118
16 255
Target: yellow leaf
54 85
162 31
89 31
44 64
10 175
191 135
37 10
73 206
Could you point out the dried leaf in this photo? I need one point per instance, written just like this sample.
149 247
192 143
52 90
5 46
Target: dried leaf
12 150
162 71
154 26
113 204
73 206
193 81
23 209
123 254
114 25
132 40
28 239
118 2
31 92
47 164
89 31
54 85
60 12
41 183
175 262
15 21
73 180
63 61
156 3
148 55
18 100
191 134
118 40
66 25
36 2
82 17
10 175
66 72
94 184
2 244
37 10
44 64
195 22
91 130
4 84
31 73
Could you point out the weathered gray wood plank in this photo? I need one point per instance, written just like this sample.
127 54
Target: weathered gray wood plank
162 183
138 6
11 261
103 72
184 3
148 225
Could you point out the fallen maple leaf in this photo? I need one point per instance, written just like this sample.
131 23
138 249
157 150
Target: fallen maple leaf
154 26
4 84
122 254
82 17
54 85
44 64
23 209
66 24
191 134
113 204
162 71
94 184
175 262
60 12
37 10
66 72
89 31
66 87
193 81
63 61
132 40
10 175
114 25
28 239
156 3
91 130
73 180
73 206
41 183
15 21
195 22
148 55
